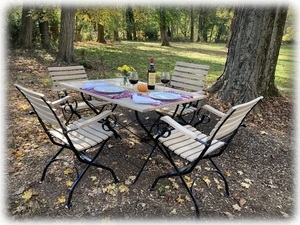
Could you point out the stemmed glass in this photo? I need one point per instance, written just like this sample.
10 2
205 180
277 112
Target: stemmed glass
165 78
133 78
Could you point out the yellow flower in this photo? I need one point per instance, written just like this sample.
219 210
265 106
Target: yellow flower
126 69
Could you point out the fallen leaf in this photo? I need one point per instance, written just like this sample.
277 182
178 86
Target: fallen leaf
69 183
187 178
142 204
188 198
60 200
93 178
227 173
68 171
242 202
129 180
248 181
174 212
229 215
27 194
263 133
180 200
206 180
284 214
245 185
123 188
240 172
236 207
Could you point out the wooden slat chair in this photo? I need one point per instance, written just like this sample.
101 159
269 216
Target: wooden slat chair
85 137
192 145
190 77
70 73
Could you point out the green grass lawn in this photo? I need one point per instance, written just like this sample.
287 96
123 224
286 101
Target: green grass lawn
137 54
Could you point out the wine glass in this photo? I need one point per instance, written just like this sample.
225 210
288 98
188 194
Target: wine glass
133 78
165 78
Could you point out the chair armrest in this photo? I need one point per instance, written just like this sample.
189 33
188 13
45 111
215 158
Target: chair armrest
213 110
61 100
179 127
95 119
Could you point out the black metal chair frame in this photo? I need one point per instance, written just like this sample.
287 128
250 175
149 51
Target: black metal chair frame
82 156
164 130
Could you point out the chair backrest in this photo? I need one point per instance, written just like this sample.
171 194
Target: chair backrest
189 76
41 107
232 120
66 73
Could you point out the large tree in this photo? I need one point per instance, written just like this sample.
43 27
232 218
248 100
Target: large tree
163 26
25 36
252 55
66 38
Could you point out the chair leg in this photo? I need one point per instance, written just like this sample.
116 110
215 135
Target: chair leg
106 168
179 173
68 205
90 162
218 170
143 166
53 159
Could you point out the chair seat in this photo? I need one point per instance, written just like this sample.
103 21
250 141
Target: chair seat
186 147
83 105
83 138
171 109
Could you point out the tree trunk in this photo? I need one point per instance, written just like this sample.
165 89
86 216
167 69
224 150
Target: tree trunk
250 48
26 29
101 38
192 25
268 74
200 24
66 37
45 35
163 27
130 31
78 29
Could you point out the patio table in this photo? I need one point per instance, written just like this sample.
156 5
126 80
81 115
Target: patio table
125 98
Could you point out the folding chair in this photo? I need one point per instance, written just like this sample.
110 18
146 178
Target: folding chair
70 73
79 137
189 77
192 146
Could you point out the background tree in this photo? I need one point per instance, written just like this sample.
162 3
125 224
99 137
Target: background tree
251 46
66 37
192 25
25 36
130 30
163 27
44 28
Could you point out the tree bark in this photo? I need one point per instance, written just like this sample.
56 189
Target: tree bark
192 25
26 29
267 79
66 38
201 18
130 31
45 35
101 38
163 27
249 53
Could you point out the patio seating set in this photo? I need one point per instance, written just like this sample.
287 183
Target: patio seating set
174 133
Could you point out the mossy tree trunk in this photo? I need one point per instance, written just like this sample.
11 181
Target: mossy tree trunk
66 37
252 55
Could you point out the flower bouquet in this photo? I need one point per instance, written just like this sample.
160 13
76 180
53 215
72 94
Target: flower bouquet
125 71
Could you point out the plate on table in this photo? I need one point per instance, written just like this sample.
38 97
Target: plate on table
110 89
164 96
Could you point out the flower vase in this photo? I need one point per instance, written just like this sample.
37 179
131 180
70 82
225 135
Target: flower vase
125 80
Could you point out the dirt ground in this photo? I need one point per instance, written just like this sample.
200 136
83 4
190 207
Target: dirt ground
259 166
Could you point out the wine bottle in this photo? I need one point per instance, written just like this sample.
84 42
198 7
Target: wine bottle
151 78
